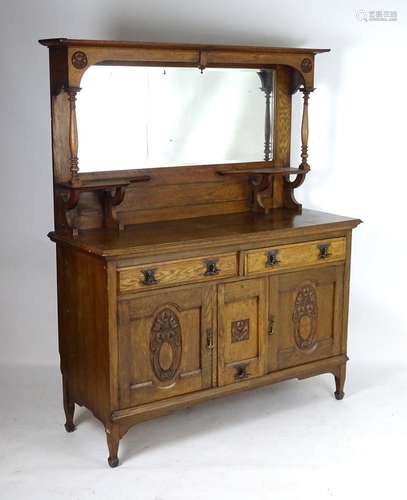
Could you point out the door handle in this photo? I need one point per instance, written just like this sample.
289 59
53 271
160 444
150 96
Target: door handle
209 339
271 329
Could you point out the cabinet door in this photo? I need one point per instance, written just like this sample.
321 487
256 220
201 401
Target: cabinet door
242 330
165 344
305 316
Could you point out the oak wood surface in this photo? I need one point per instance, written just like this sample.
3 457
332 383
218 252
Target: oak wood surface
242 323
217 284
68 42
232 229
294 256
153 410
140 381
319 318
178 272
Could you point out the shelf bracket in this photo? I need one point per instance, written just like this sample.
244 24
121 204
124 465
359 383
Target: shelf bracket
111 194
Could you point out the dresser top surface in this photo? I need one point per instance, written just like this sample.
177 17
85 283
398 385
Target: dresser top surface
198 232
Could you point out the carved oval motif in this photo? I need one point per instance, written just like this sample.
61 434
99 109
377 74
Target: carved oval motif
306 65
79 59
165 345
305 317
166 356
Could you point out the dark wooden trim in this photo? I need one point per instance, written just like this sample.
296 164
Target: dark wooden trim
70 42
177 402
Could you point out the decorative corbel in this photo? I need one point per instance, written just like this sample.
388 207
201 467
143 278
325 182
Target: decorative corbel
262 185
111 199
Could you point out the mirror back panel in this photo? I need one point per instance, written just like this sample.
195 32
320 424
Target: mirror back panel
132 117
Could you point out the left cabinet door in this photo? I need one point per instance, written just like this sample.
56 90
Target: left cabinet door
165 344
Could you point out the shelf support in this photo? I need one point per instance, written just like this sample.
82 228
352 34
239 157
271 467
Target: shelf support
262 184
73 136
304 129
111 193
266 78
289 186
111 199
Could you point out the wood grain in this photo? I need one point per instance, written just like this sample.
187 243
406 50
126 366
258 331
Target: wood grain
200 296
294 256
177 272
241 301
139 382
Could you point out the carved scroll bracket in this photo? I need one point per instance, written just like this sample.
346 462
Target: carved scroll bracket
262 185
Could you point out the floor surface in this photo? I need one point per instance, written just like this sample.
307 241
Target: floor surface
289 441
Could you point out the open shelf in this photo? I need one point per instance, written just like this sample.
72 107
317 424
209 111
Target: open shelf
103 184
265 171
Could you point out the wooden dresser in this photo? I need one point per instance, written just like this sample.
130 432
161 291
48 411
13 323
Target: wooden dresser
181 284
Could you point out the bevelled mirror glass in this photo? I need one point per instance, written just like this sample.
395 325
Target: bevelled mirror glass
133 117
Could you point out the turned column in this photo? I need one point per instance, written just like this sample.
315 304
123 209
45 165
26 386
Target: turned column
73 136
304 130
289 186
266 78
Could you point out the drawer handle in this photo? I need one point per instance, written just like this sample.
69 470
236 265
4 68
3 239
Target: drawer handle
149 277
241 372
324 251
272 258
211 268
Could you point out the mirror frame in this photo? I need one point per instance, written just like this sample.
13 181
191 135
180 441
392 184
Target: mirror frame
70 59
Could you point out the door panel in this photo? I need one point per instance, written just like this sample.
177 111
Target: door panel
305 316
241 330
163 344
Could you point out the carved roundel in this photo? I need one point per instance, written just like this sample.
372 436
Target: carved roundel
79 59
240 330
305 317
165 345
306 65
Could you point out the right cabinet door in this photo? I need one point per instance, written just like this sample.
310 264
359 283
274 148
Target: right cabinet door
305 316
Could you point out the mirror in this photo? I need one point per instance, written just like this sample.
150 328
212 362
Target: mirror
133 117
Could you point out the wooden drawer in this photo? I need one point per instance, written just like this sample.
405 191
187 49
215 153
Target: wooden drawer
160 274
312 253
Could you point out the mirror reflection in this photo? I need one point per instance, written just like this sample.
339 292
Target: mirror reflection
146 117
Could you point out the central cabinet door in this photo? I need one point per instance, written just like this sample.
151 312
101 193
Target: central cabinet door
165 344
242 330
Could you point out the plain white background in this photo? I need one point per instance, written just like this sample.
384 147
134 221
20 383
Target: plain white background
289 441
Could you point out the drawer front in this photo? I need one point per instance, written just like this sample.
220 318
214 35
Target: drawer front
159 274
273 259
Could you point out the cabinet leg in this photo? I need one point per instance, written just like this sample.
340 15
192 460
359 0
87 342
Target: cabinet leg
340 377
69 407
113 439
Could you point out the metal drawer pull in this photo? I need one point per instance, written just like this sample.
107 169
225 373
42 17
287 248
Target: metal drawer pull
211 268
324 251
149 277
272 258
241 372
